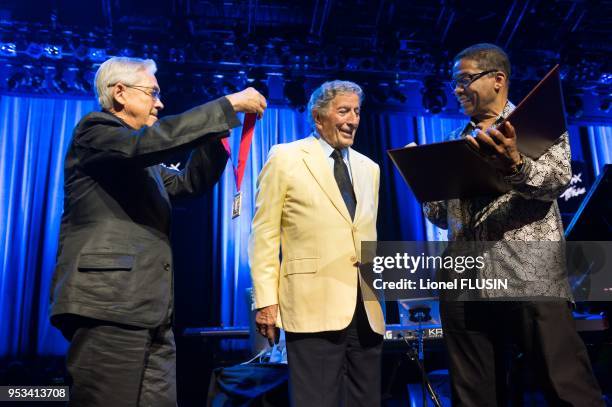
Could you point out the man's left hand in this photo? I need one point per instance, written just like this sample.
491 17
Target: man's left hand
499 148
265 320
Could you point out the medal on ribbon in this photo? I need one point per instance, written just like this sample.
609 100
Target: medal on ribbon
243 155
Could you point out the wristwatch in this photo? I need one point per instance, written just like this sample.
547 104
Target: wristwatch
518 167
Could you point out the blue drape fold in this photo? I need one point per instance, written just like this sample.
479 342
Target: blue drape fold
34 136
35 133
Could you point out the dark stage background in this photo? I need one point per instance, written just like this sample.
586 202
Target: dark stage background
398 51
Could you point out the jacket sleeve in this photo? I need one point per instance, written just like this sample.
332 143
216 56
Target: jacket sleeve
202 171
436 212
100 140
264 242
547 177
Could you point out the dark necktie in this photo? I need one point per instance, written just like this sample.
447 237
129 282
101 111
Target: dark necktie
344 182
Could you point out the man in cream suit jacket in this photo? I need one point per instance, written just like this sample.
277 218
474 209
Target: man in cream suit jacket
317 201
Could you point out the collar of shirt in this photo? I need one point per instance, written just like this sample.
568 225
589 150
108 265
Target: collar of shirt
118 118
327 150
471 126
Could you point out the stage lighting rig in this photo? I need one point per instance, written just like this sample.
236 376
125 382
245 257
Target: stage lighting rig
53 51
434 97
35 50
605 100
8 49
97 54
295 94
257 78
573 103
15 81
379 92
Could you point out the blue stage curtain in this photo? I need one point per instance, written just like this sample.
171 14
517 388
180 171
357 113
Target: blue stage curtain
34 135
600 140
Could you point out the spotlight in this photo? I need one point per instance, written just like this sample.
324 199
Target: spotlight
36 81
8 49
125 52
53 51
81 52
379 92
257 78
397 94
295 94
434 97
49 75
228 88
84 80
604 103
15 80
573 104
176 55
97 54
59 83
261 87
34 50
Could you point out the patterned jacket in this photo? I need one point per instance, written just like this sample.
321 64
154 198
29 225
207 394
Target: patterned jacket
527 213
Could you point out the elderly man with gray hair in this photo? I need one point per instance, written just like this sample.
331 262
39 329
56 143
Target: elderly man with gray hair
317 200
112 288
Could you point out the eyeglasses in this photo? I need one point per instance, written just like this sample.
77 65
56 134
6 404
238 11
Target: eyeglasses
153 91
466 80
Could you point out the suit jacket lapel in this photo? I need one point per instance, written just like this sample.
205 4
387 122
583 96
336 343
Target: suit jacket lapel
319 168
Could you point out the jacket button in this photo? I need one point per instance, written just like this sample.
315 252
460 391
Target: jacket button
167 266
353 259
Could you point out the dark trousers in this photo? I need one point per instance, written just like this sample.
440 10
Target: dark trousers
120 365
477 333
333 368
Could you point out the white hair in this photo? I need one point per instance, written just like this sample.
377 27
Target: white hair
119 69
322 96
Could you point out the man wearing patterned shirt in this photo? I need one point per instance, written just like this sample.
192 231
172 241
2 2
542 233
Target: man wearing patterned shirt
544 330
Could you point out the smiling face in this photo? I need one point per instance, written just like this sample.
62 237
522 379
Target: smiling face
135 103
484 96
339 124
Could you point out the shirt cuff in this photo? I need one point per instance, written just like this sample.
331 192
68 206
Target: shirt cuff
520 177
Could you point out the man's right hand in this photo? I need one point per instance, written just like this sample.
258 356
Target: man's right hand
248 101
265 320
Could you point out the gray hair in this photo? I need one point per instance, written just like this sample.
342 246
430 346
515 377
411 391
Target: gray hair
324 94
119 69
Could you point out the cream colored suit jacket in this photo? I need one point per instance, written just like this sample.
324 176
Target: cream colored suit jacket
300 215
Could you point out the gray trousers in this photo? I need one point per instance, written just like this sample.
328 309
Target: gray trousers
120 365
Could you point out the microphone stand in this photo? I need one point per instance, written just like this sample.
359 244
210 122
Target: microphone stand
417 354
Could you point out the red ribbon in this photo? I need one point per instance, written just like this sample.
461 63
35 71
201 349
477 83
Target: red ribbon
245 146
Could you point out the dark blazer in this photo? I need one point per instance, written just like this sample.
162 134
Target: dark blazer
114 258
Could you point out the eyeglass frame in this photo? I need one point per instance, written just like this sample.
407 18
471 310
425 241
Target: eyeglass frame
473 77
155 93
